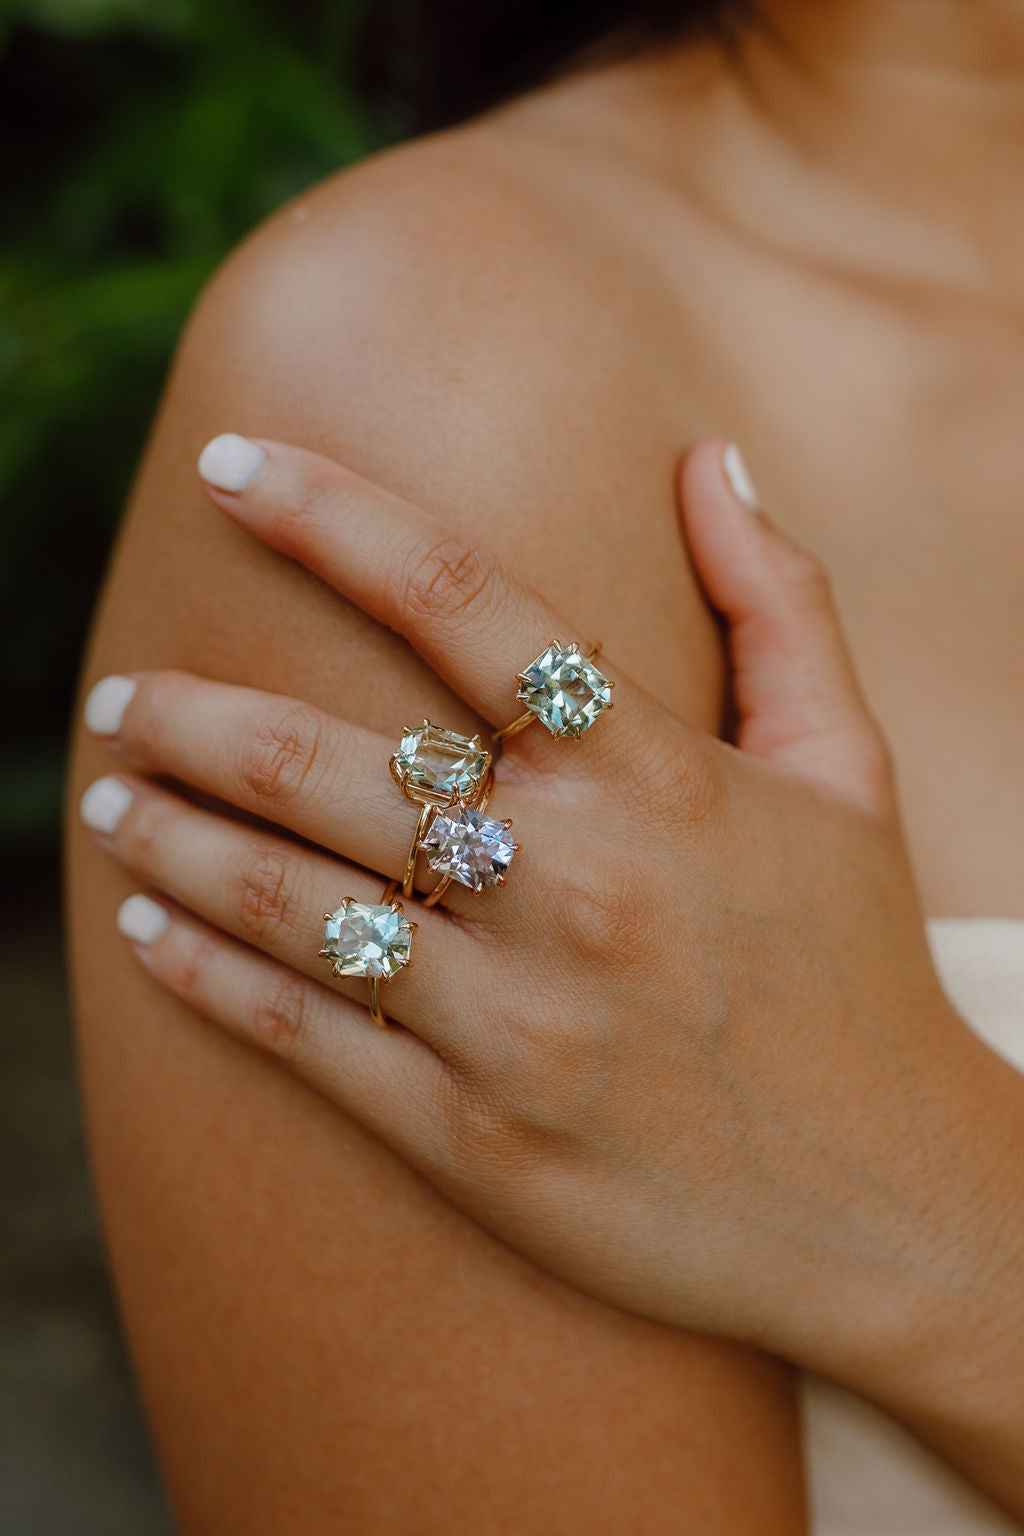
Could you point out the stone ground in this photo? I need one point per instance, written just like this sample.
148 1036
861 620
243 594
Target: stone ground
74 1459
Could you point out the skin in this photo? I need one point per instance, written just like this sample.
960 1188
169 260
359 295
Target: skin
542 353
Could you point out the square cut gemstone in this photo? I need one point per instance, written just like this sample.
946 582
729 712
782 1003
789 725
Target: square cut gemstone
474 849
564 690
364 940
440 764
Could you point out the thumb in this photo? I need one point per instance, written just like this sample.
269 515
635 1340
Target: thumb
797 697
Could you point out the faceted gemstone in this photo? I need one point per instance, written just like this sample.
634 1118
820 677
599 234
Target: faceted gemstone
364 940
473 848
564 690
440 763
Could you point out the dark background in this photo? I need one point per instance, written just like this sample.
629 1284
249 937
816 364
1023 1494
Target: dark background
139 139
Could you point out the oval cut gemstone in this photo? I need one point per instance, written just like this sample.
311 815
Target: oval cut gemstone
564 690
364 940
439 763
474 849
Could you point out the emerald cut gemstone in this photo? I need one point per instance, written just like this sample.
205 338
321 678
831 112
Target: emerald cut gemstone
435 764
564 690
364 940
474 849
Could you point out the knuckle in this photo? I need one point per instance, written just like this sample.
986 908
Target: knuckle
279 754
492 1135
696 791
312 498
807 579
151 729
561 1068
143 729
546 1069
606 914
473 1121
672 781
193 967
262 899
143 835
444 577
280 1018
878 770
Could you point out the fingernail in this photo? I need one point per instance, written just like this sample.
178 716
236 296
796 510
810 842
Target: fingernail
229 461
106 704
738 476
104 803
141 920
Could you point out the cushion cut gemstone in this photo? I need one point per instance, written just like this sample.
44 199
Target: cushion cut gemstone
564 690
474 849
364 940
440 763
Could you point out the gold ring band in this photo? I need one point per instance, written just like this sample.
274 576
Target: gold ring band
518 724
423 820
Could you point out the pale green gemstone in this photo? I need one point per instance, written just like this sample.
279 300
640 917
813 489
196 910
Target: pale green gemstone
440 763
364 940
565 690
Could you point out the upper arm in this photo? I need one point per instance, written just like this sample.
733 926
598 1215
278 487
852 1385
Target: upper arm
270 1257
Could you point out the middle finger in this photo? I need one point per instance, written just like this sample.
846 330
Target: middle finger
325 779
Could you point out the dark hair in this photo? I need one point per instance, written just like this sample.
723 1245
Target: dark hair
431 63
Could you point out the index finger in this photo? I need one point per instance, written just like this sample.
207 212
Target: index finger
477 625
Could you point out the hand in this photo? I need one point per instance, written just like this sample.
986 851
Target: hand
693 1057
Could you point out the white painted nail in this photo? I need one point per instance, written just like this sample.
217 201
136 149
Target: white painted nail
104 803
106 704
229 461
738 476
141 919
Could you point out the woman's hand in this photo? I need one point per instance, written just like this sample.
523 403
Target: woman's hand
693 1057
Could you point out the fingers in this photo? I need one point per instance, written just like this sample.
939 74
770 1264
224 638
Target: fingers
474 622
273 894
278 758
388 1080
796 692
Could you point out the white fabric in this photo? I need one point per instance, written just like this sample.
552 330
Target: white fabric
868 1476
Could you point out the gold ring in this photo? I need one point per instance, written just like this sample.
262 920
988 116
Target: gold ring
563 690
464 844
435 768
370 940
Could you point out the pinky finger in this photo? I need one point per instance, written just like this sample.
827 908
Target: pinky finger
387 1079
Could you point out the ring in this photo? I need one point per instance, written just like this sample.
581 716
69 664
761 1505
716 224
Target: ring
563 689
372 941
435 768
465 845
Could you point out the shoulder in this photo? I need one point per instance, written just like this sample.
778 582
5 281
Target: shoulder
440 282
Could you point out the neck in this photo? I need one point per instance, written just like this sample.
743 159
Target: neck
972 41
914 105
889 130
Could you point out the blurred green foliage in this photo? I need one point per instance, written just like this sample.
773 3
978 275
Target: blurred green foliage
139 139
